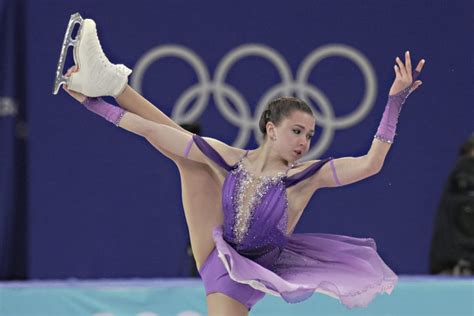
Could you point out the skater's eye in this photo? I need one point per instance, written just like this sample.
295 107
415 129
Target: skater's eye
297 131
309 136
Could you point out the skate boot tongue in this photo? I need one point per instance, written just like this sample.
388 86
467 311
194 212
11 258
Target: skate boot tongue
97 76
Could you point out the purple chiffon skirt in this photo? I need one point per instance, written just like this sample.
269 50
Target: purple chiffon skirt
346 268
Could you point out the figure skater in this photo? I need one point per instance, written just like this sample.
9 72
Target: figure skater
241 206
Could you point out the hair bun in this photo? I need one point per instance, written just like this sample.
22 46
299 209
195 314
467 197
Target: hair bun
279 109
267 115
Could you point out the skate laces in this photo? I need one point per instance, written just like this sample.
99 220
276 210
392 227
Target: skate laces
102 58
121 69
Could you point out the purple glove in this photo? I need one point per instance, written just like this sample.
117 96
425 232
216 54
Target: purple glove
111 113
388 124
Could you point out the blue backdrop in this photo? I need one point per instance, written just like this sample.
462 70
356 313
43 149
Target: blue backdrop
104 203
13 141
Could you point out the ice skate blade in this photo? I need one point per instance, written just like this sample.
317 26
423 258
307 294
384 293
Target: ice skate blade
68 41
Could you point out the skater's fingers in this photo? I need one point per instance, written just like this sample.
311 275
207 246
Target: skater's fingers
68 73
71 70
67 90
76 95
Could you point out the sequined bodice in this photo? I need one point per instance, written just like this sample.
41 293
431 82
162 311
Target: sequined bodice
248 194
255 211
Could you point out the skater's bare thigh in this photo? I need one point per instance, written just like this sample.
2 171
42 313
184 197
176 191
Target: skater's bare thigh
201 193
220 304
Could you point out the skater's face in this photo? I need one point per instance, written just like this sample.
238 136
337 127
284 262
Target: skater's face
292 137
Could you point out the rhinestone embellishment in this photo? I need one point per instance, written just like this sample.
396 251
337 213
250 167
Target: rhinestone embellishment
244 202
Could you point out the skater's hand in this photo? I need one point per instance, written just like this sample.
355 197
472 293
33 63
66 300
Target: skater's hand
404 76
76 95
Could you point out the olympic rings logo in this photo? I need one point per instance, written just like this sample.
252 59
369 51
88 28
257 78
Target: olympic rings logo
244 119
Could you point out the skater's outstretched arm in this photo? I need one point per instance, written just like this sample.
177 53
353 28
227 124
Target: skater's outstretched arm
133 102
142 107
348 170
172 141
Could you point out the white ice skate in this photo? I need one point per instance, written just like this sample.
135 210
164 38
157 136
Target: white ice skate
97 76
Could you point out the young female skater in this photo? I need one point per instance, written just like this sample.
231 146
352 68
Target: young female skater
241 206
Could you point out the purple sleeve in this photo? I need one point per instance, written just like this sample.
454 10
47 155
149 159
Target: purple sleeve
388 124
108 111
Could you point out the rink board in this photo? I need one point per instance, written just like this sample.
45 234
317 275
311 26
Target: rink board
412 296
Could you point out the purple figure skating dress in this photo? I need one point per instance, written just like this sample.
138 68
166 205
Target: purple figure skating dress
255 255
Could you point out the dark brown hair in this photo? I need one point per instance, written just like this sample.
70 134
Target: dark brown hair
279 109
467 147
